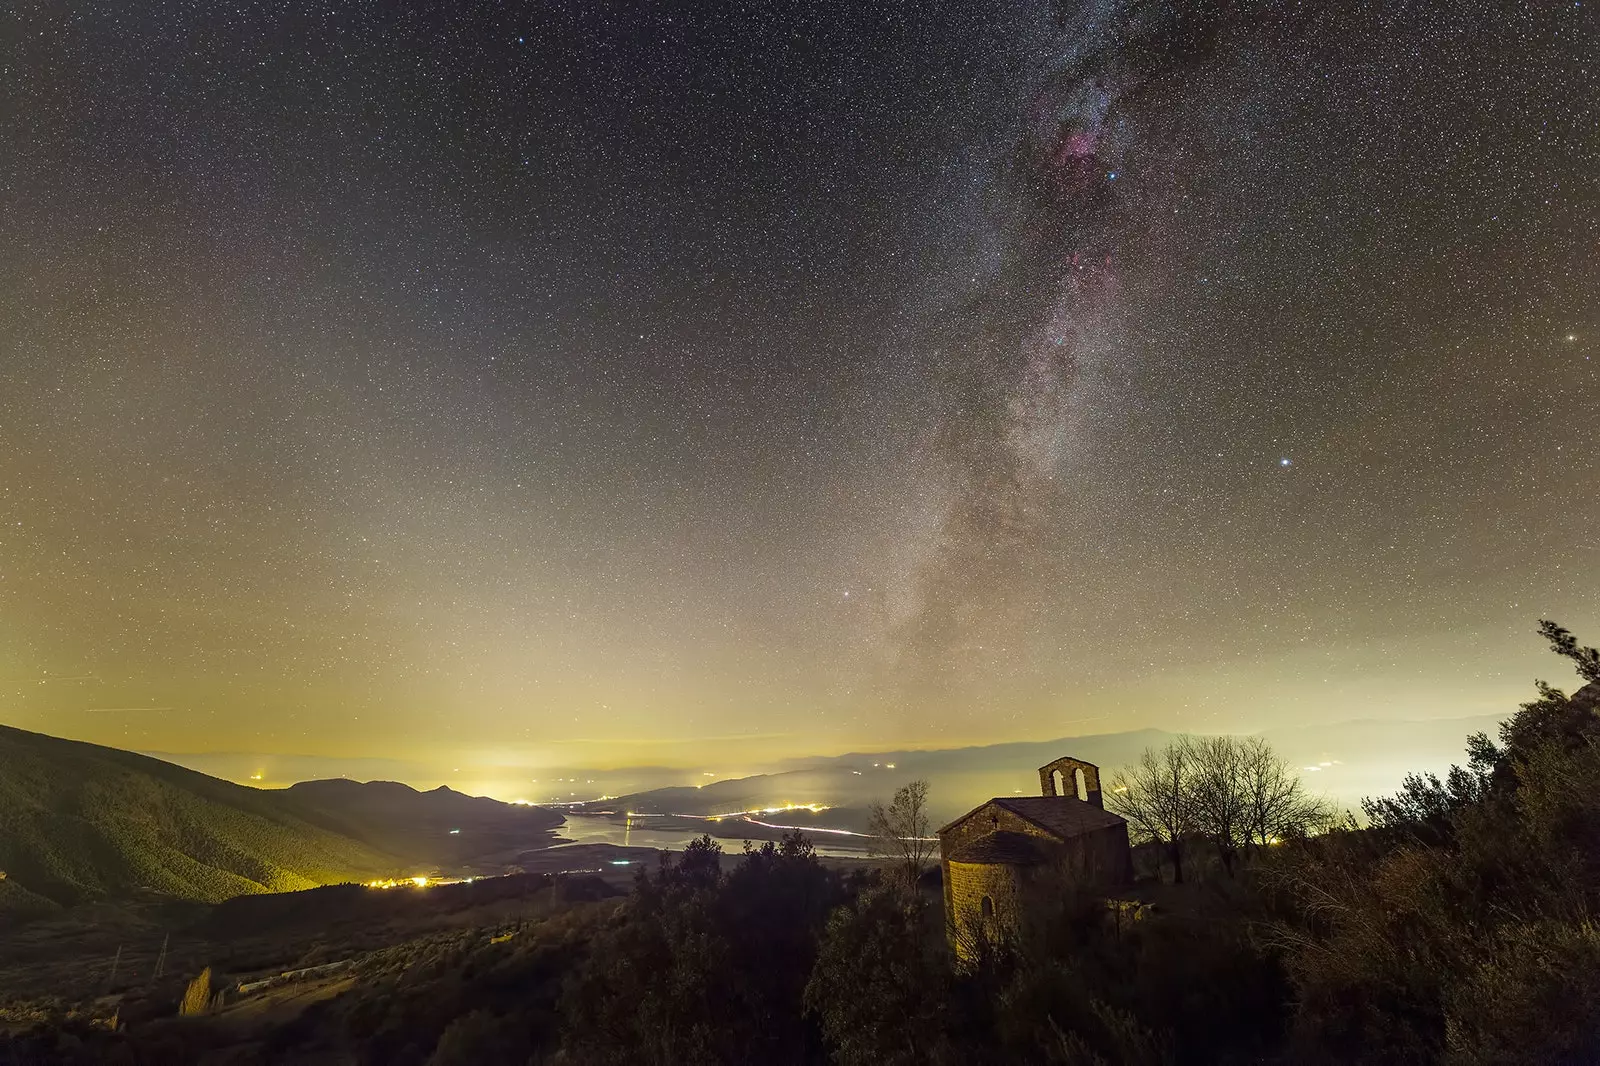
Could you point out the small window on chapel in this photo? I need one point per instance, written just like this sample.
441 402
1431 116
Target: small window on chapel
987 907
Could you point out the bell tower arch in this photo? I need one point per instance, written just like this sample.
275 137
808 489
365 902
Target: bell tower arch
1078 778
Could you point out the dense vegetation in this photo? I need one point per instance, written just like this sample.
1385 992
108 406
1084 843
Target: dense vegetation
1459 927
1463 925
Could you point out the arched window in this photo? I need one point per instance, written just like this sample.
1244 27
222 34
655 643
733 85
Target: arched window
1060 783
1080 786
987 906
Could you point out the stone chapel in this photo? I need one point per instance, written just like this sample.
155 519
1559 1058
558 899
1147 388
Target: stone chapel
1012 852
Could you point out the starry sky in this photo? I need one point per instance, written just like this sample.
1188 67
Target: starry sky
654 382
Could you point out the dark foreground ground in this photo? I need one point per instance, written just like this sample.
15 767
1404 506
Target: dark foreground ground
132 959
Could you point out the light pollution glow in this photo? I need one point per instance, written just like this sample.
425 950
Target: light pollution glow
1204 381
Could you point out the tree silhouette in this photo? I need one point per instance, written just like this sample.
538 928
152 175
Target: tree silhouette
1565 644
901 832
1156 796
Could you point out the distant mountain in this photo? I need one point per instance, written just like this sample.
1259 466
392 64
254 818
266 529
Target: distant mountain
511 780
276 771
79 821
960 778
1344 760
439 828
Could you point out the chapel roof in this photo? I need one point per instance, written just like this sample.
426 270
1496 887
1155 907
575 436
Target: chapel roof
1063 817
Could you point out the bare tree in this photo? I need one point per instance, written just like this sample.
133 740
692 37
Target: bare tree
1220 804
1276 804
901 834
1243 795
1155 795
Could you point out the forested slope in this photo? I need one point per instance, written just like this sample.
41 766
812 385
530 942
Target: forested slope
79 820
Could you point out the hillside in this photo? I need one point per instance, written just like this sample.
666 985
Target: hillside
80 821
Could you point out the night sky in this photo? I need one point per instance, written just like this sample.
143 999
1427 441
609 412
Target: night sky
632 383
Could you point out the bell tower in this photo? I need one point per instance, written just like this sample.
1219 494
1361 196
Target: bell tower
1078 779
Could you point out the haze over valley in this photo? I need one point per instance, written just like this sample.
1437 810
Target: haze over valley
1344 760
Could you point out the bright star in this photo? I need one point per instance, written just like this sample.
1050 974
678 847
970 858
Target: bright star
1283 462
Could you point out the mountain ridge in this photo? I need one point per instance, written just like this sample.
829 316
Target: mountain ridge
1349 759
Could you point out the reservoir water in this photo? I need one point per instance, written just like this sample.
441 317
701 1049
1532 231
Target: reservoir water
650 833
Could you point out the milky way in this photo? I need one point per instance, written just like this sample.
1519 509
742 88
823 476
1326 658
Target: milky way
1177 192
1027 350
